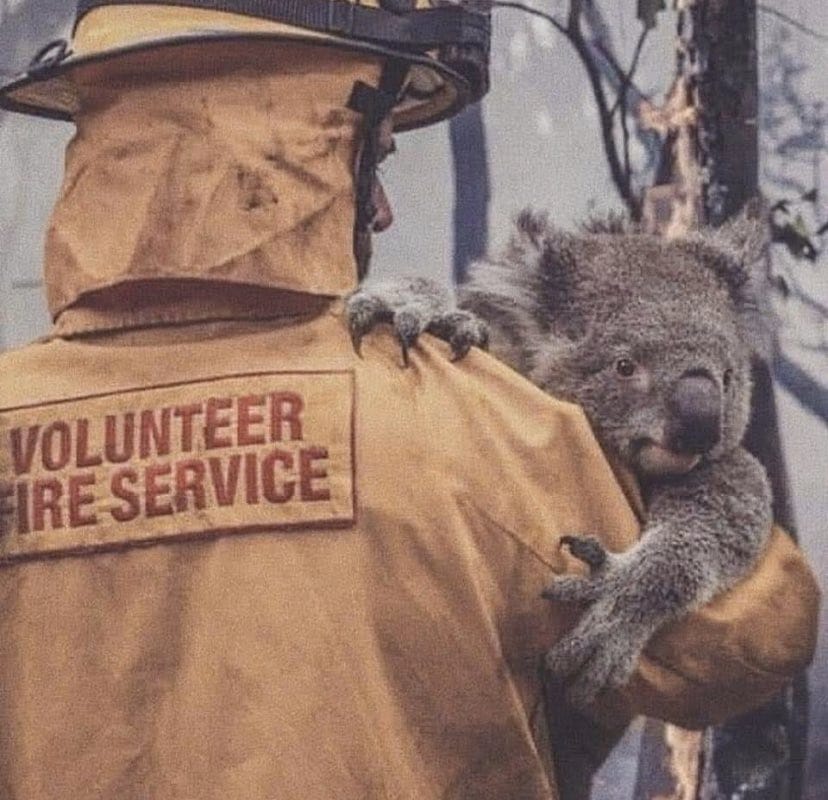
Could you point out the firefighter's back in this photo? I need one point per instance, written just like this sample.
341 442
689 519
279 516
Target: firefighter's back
245 562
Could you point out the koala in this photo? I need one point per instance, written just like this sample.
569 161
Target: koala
654 339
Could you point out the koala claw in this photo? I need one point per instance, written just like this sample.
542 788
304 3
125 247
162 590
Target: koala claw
462 330
414 306
407 326
364 312
588 549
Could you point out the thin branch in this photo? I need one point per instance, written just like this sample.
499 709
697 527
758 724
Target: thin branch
626 78
612 70
810 393
620 177
587 51
794 23
573 22
617 77
621 99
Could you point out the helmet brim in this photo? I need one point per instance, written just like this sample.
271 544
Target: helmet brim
50 90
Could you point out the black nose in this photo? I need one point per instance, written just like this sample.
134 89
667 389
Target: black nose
694 413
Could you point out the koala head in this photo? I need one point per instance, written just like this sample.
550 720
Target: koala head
653 338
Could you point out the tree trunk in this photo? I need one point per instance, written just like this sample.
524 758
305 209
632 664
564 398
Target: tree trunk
710 174
471 189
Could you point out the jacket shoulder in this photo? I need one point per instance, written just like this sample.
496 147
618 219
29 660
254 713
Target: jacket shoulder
526 461
26 371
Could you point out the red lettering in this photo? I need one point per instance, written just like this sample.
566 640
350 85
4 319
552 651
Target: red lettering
23 507
189 479
46 496
285 411
186 414
309 473
281 491
214 423
114 455
22 456
56 457
118 486
155 489
154 436
248 418
83 458
6 508
251 479
225 484
79 517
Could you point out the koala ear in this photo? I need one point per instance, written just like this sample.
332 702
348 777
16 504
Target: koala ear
736 252
523 293
747 235
613 222
534 274
745 238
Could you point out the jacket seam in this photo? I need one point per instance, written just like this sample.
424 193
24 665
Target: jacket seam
512 535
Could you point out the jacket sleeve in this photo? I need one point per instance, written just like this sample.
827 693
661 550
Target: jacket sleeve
546 476
734 653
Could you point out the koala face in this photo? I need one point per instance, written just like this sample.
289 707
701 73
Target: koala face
662 393
648 336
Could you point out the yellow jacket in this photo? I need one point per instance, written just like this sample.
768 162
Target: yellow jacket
237 561
246 563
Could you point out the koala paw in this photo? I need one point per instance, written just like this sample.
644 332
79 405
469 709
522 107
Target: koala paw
414 306
587 548
573 588
600 654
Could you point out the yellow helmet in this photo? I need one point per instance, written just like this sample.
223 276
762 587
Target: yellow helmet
441 50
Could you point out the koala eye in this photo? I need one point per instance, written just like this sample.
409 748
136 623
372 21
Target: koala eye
625 367
727 378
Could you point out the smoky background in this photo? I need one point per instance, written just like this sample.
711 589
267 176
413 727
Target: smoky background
540 145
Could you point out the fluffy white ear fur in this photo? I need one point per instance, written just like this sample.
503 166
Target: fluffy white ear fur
746 239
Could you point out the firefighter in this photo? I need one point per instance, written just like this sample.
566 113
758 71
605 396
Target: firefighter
237 560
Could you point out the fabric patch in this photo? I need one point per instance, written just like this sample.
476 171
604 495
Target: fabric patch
244 453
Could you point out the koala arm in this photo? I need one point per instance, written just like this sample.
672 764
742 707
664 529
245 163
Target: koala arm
704 530
731 654
712 612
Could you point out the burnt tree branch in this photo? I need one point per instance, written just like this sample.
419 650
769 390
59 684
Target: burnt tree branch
804 387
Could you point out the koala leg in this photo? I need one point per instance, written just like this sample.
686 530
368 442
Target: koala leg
413 306
601 654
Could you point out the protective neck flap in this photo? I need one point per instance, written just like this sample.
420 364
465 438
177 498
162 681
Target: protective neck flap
213 179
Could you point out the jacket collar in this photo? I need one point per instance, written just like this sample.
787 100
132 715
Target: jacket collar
225 181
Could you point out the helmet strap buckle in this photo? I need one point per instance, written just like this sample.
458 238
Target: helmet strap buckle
375 104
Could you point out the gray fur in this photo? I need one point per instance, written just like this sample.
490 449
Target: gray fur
565 310
414 306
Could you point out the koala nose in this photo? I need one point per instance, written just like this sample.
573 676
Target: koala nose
695 413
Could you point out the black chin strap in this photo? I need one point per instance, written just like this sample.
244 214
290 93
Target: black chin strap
375 104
